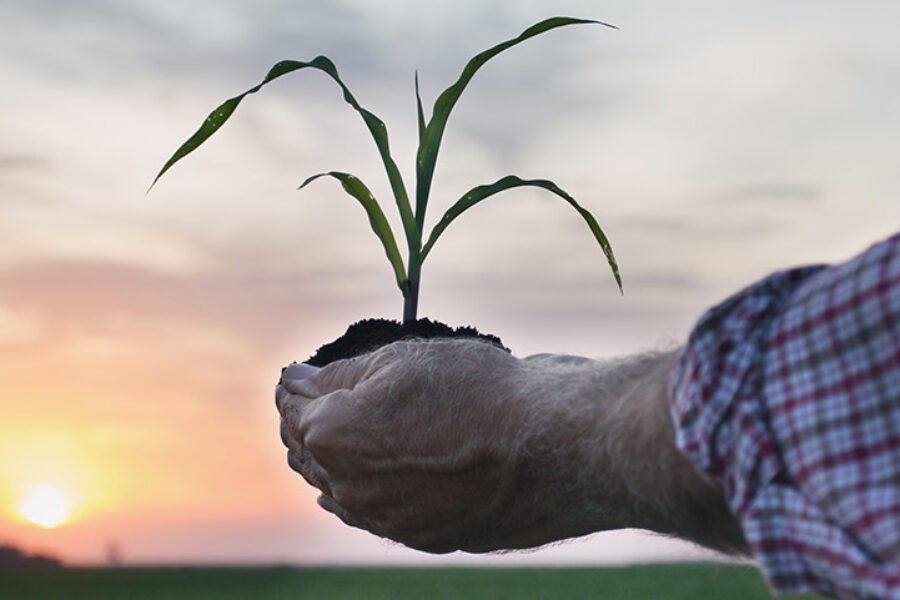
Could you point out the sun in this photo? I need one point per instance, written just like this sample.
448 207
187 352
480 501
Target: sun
44 504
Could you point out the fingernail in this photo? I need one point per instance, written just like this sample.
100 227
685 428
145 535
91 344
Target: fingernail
297 371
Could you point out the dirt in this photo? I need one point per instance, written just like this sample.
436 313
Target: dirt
370 334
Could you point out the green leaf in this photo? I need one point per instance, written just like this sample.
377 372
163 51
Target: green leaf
430 143
419 110
477 194
376 127
356 188
221 114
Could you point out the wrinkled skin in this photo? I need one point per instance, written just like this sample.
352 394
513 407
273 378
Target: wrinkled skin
426 443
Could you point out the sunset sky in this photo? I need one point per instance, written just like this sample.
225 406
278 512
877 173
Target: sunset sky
141 336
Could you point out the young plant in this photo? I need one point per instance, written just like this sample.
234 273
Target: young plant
430 134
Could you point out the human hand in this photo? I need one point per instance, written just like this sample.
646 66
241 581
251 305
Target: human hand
434 444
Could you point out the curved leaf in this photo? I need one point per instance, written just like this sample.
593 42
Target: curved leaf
477 194
376 127
430 143
220 115
356 188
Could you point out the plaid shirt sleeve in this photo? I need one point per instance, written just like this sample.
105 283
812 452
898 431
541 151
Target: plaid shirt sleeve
788 396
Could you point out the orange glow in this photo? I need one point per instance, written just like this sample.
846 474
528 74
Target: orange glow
158 447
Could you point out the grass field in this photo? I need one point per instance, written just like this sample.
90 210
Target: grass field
691 582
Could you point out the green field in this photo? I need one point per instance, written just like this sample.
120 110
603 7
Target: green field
690 582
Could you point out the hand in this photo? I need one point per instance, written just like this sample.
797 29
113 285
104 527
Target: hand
433 444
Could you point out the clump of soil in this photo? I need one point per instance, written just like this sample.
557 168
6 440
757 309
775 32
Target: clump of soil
370 334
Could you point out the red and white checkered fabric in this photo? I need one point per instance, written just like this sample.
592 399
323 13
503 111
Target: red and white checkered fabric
788 395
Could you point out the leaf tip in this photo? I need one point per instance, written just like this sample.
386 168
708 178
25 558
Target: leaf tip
312 178
598 22
152 184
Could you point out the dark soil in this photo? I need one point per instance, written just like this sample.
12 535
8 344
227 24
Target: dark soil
370 334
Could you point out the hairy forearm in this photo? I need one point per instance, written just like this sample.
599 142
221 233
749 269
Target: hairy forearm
609 442
455 444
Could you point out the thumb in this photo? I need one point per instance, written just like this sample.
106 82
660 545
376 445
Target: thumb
312 382
295 371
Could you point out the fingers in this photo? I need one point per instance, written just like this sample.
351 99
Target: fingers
344 374
301 390
301 460
282 398
309 470
299 457
328 503
301 382
295 385
297 396
298 371
296 379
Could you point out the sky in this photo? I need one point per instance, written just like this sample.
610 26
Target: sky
141 335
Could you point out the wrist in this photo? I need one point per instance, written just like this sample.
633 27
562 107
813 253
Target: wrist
603 452
569 452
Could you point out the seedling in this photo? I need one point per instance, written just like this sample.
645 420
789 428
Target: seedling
430 134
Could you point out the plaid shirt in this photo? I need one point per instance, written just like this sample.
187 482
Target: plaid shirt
788 396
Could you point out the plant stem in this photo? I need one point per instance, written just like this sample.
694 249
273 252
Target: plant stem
411 303
411 293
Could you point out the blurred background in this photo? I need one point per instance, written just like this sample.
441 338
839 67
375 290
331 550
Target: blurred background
141 336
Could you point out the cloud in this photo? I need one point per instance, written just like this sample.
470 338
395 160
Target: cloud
255 305
376 48
784 191
28 162
18 326
655 232
172 40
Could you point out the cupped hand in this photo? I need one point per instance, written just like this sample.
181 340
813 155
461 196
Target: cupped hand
429 443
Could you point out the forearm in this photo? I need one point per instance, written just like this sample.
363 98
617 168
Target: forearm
609 443
455 444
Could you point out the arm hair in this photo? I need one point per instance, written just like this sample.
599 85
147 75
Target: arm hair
611 445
